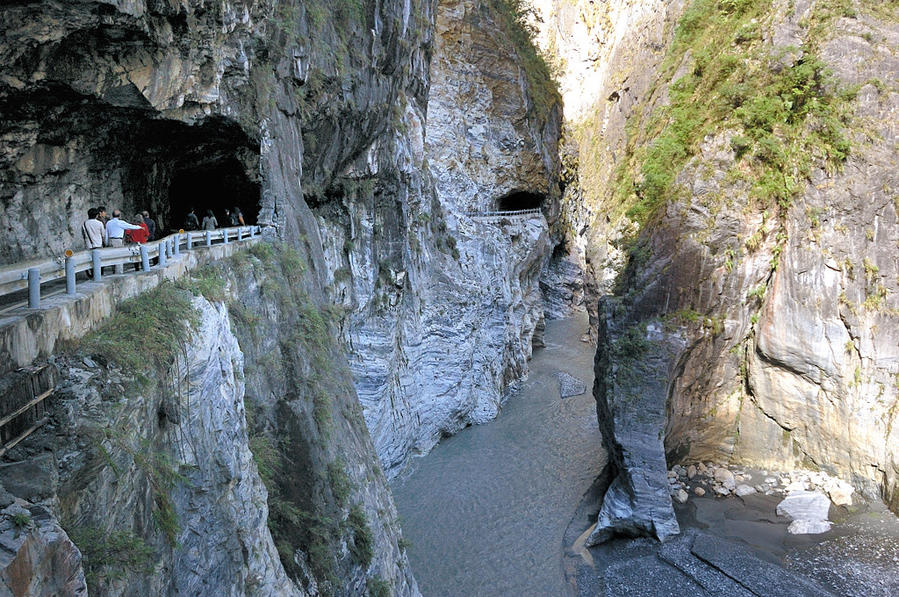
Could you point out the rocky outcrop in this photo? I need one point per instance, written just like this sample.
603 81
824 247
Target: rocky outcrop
633 364
234 462
38 557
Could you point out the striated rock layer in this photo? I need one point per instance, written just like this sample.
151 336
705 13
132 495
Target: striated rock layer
443 306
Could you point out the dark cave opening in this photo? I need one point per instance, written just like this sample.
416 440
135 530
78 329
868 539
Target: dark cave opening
519 200
215 187
62 153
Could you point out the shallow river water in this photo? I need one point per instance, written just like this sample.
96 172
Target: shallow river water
486 509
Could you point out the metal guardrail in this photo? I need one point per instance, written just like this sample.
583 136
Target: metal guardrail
32 274
502 214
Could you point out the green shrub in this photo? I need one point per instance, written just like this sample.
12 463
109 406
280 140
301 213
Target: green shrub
362 546
111 555
145 332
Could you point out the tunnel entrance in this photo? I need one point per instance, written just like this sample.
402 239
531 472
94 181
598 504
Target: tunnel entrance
215 187
520 200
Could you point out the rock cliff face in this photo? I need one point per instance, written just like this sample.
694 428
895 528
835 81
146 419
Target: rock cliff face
753 195
443 307
157 473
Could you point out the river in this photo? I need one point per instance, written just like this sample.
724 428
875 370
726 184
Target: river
486 509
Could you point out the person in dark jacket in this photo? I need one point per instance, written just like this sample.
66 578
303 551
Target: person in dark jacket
151 224
191 222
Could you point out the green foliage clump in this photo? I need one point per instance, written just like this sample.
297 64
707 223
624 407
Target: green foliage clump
146 331
378 587
362 546
788 109
111 555
632 343
162 477
21 520
341 486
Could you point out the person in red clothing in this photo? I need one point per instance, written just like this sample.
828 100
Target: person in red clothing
138 236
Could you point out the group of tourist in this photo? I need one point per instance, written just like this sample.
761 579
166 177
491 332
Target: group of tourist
233 217
99 230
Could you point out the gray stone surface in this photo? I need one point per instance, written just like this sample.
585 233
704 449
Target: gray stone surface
648 576
677 553
37 558
632 364
570 385
32 480
757 575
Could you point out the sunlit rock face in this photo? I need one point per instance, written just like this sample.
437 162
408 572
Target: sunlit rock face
443 306
789 311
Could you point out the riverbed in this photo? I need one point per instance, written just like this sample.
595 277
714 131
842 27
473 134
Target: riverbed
485 511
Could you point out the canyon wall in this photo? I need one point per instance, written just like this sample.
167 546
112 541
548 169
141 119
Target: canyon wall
744 168
443 306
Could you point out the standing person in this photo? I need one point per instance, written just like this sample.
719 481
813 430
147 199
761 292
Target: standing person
138 236
92 230
191 222
237 215
151 224
209 221
228 217
115 229
101 213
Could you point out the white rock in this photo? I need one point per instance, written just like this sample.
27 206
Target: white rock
770 480
796 485
699 491
807 508
726 478
681 496
691 471
721 490
809 527
742 490
839 491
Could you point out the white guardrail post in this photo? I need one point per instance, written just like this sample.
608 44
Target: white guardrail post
144 258
163 249
209 238
70 272
225 236
97 264
34 287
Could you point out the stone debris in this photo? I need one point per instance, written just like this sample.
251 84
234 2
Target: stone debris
721 481
809 511
570 385
742 490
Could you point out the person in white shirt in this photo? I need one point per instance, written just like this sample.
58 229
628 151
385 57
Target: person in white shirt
115 229
93 231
